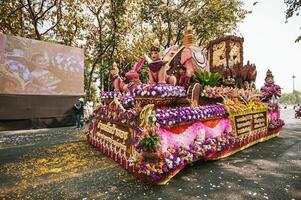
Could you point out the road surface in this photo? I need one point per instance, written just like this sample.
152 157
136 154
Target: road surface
59 164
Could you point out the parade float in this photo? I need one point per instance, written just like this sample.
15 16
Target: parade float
194 107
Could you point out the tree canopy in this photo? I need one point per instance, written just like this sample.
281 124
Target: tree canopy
293 8
291 98
117 30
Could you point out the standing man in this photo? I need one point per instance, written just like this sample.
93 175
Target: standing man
88 110
79 112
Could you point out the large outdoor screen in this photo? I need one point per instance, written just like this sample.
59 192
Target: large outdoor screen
39 68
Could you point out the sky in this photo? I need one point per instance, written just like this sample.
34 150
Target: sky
269 42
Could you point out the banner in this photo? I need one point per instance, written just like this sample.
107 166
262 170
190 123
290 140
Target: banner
246 123
35 67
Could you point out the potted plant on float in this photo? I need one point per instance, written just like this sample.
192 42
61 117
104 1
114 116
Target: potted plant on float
150 141
150 146
208 79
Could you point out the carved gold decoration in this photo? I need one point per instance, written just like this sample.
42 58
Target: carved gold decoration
219 54
251 133
235 50
117 103
133 151
247 122
145 113
225 51
111 142
113 130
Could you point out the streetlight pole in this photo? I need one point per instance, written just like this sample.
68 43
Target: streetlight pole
293 83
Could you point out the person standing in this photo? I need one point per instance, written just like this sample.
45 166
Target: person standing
88 109
79 112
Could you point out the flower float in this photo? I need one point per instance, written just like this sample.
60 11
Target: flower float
154 130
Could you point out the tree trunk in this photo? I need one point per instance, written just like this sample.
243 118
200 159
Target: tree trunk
109 82
91 75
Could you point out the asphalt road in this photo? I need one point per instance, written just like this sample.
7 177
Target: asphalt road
59 164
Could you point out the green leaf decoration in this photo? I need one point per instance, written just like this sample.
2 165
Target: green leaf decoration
150 143
208 78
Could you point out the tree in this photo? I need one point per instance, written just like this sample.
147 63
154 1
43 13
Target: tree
105 32
209 19
117 30
31 18
73 22
59 20
291 98
293 7
12 18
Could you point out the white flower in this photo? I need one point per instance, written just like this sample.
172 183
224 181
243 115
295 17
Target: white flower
178 161
168 163
132 161
154 118
201 135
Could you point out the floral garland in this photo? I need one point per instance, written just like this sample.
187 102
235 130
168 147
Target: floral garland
128 100
147 91
159 90
164 117
188 114
110 94
179 156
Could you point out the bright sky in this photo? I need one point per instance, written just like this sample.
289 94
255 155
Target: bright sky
269 42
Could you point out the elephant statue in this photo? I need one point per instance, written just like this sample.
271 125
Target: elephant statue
184 61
